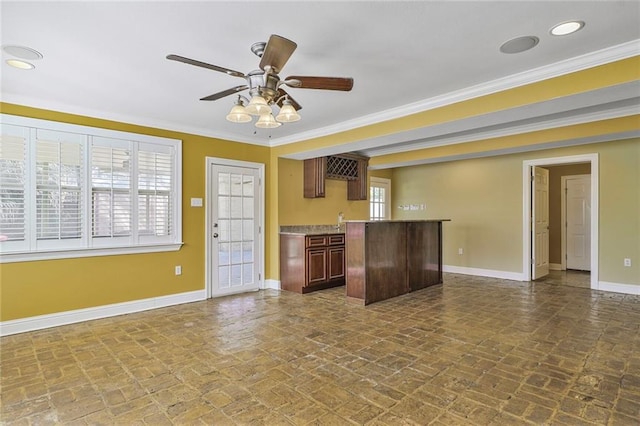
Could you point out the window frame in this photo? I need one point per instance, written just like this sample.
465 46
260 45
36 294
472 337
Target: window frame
378 182
89 246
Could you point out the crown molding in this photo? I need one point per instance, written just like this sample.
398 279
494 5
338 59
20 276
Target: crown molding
568 66
507 130
515 150
127 119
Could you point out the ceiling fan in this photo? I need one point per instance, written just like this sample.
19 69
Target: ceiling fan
265 85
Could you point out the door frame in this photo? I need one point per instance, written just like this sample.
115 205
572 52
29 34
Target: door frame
527 167
563 213
382 181
215 161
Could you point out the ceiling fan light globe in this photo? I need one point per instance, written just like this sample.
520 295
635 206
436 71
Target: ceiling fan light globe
266 121
238 115
288 114
258 106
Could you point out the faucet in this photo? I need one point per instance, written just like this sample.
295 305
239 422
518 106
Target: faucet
340 219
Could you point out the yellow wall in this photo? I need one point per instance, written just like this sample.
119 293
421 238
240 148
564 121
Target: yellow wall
294 209
43 287
483 198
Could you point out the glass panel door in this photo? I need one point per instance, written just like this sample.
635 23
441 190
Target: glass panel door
235 229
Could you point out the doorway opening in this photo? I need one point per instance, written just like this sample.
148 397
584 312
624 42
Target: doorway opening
529 261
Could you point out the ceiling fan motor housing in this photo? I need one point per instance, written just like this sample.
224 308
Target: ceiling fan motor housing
263 84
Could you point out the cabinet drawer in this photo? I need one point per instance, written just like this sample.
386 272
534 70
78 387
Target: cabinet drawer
316 241
336 240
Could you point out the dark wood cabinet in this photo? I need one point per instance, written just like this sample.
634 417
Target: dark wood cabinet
315 170
358 189
353 170
386 259
311 262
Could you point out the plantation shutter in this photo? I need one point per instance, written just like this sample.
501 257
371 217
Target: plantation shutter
13 154
155 190
59 188
111 192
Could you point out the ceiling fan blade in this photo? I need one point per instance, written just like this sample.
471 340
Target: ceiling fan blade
294 104
324 83
225 93
277 53
205 65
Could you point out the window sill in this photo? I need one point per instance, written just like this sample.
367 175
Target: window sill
102 251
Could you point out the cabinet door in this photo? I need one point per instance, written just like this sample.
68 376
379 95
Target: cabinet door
336 262
315 170
359 189
316 266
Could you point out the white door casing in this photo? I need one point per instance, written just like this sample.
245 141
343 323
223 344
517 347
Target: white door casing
577 230
234 223
527 166
379 198
540 220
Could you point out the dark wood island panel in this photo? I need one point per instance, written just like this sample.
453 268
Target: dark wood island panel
386 259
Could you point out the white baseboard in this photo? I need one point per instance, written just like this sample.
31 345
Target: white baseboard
40 322
618 288
555 266
505 275
272 284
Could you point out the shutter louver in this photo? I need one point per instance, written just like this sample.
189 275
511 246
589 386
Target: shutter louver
155 187
111 191
59 181
12 185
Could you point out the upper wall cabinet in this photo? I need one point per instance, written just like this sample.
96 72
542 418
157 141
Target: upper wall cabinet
349 167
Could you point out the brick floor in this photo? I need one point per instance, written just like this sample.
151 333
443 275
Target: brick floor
475 351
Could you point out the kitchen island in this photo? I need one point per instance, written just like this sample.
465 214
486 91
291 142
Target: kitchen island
389 258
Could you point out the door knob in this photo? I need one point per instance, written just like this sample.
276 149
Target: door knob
215 235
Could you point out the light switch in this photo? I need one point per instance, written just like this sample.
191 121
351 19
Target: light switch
196 202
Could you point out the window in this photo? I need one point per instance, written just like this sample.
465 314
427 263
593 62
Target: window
379 199
72 191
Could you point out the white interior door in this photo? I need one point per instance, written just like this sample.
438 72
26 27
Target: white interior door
540 221
578 222
235 225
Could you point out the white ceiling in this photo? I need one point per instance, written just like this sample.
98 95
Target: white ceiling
107 60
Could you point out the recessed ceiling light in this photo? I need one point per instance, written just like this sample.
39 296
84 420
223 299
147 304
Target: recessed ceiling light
22 52
519 44
567 28
23 65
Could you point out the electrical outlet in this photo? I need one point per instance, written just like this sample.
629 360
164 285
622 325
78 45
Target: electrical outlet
460 251
178 270
627 262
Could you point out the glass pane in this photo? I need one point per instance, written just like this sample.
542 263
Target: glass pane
236 184
236 207
236 275
247 252
223 207
247 208
223 253
223 184
236 230
223 277
223 230
247 186
236 253
247 273
247 230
